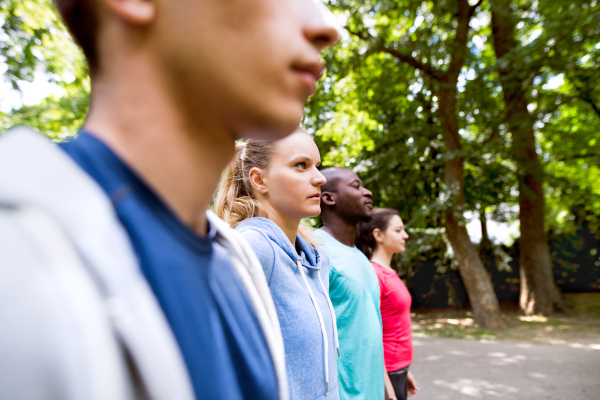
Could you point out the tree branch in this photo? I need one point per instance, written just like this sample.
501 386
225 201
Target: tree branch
465 13
588 99
459 47
413 62
576 157
495 131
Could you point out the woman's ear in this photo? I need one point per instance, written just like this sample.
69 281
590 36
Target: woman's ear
257 180
136 12
378 235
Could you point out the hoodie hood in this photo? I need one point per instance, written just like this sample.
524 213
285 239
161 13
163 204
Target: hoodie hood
309 257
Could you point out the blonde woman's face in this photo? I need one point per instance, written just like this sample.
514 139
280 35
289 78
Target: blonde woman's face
293 181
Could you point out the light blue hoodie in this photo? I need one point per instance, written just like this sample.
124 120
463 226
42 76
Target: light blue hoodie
300 288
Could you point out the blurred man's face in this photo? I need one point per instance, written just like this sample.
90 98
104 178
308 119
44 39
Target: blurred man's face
247 64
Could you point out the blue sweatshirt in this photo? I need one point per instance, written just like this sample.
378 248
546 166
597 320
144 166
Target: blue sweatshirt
299 285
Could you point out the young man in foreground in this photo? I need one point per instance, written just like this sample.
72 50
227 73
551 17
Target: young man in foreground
115 283
353 286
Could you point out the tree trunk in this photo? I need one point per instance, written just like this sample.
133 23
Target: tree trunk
485 237
539 294
486 310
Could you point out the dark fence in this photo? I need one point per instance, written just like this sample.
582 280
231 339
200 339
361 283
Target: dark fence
576 264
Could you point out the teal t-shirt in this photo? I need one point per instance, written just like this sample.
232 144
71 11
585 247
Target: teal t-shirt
354 292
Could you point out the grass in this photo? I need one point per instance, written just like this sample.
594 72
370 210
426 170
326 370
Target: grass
583 326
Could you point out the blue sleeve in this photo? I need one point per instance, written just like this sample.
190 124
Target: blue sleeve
262 248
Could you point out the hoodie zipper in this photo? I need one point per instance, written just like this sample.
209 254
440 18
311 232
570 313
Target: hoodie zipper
323 331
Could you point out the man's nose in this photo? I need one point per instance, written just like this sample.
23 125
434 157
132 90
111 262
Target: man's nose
321 27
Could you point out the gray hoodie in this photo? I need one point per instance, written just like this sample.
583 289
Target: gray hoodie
299 284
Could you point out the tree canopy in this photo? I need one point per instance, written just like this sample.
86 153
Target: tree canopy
379 115
379 108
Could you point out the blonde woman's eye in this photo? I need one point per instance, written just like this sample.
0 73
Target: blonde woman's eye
301 165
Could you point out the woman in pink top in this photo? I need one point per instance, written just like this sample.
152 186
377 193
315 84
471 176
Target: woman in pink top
381 238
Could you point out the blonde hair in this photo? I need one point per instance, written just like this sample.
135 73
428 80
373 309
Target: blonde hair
234 200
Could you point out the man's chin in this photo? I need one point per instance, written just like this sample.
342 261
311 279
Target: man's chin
367 218
267 134
272 126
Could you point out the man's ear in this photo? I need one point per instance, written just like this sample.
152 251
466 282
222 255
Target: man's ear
135 12
257 180
328 198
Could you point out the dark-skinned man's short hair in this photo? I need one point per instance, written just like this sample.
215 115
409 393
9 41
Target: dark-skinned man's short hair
80 18
331 174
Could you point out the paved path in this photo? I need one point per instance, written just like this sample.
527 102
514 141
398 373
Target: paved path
456 369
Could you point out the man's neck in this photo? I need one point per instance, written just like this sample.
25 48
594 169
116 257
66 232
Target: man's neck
181 160
340 229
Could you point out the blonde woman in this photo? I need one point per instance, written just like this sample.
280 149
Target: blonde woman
268 189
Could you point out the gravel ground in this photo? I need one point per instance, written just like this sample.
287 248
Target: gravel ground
456 369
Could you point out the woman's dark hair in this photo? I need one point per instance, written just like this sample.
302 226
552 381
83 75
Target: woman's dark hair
365 241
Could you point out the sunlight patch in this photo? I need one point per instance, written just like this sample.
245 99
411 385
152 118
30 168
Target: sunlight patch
533 318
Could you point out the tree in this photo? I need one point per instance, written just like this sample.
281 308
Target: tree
517 64
377 113
34 44
412 49
539 294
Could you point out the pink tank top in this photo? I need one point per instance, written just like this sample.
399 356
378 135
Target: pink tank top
395 318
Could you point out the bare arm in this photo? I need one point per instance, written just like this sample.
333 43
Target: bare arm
390 394
411 384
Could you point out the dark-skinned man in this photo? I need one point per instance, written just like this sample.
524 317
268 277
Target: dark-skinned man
353 286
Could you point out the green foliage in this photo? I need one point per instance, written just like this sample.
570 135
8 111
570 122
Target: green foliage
378 114
35 45
425 244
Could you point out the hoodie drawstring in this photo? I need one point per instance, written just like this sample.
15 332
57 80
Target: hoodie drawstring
323 331
332 312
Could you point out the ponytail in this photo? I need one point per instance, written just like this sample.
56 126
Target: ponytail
235 201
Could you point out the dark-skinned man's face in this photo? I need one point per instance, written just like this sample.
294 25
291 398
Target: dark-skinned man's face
352 200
